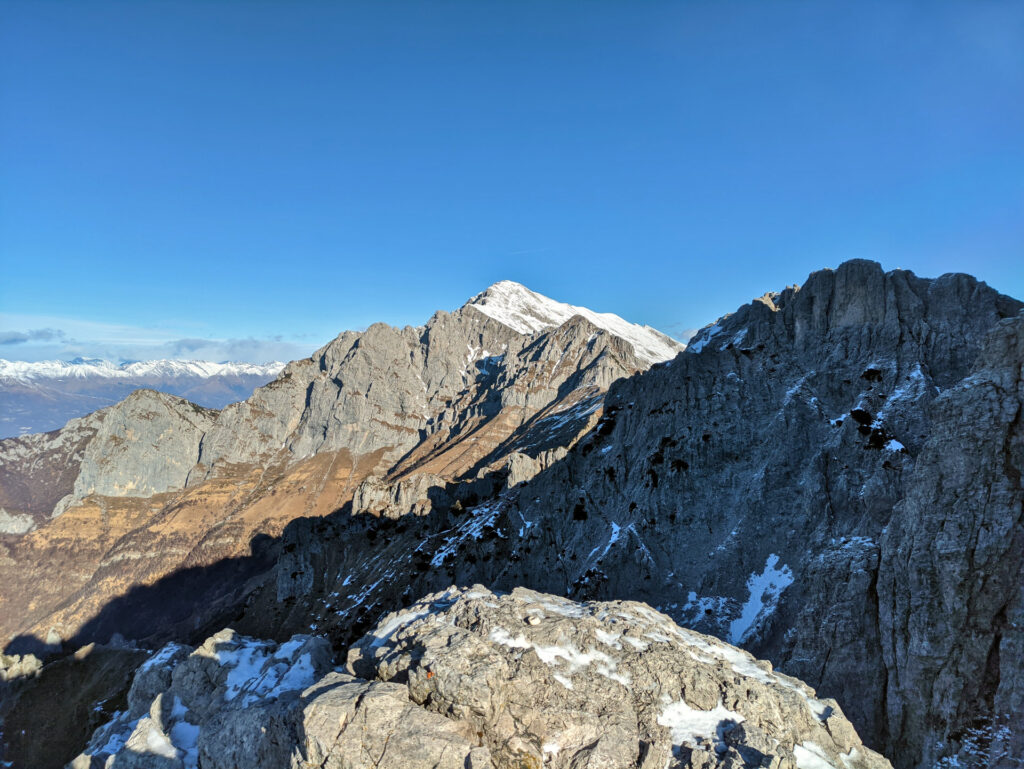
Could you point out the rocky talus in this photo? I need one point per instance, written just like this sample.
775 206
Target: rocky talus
470 678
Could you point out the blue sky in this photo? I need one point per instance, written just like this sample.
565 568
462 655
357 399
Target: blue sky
245 180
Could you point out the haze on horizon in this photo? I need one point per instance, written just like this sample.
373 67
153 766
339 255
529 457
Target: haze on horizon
219 181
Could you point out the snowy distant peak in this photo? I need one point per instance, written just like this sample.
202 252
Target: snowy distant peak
528 312
81 368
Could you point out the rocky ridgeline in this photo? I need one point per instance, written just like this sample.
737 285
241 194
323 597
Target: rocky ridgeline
470 678
412 392
405 392
830 477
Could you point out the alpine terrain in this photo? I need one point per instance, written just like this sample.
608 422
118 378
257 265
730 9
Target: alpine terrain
526 534
43 396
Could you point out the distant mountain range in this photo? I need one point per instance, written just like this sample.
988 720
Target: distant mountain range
42 396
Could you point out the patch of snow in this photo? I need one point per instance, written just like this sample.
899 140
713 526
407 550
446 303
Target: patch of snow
764 591
185 737
693 727
160 658
566 682
382 633
736 340
257 674
636 643
894 445
809 755
611 541
480 518
158 744
608 639
559 654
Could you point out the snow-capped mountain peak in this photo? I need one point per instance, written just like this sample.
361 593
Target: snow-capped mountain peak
528 312
81 368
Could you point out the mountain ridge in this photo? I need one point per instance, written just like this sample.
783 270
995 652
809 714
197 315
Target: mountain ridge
767 487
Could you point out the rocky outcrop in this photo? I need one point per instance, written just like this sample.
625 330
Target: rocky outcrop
468 678
415 495
951 577
144 445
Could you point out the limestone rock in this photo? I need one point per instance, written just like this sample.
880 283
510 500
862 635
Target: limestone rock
752 488
146 444
551 682
413 495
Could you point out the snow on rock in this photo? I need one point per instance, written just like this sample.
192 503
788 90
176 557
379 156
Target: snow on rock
764 589
470 678
693 727
178 687
546 681
528 312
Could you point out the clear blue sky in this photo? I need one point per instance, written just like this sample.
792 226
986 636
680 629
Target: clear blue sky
267 174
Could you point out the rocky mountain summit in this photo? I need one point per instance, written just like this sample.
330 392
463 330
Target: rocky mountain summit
470 678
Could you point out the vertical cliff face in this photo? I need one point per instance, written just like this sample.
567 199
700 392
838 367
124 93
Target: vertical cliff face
951 579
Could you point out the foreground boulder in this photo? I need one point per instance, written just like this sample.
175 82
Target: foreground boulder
468 678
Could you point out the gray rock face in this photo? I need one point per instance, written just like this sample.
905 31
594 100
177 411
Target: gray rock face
801 415
415 495
468 678
552 682
147 444
951 579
